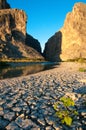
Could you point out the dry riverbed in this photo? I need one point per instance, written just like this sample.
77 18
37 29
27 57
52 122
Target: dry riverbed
26 103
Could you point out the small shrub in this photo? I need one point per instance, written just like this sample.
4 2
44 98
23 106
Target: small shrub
80 60
65 110
82 69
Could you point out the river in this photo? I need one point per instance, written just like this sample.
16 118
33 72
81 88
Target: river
25 69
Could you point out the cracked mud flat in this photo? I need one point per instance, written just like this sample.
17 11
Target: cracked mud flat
26 103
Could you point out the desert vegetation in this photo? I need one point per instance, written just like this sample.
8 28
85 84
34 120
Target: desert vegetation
65 110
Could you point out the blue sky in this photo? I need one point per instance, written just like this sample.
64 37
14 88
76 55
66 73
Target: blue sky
45 17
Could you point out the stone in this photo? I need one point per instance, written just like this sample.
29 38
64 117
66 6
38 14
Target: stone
1 108
73 96
21 116
16 109
9 105
49 128
41 121
83 112
3 123
1 111
21 103
50 120
25 124
9 116
2 102
57 127
36 128
13 126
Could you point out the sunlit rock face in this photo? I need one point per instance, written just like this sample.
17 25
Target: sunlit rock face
13 34
73 36
12 22
74 33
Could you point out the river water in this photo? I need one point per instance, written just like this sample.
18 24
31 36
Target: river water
23 70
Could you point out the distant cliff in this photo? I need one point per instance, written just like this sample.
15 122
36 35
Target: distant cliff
69 42
32 42
52 49
13 38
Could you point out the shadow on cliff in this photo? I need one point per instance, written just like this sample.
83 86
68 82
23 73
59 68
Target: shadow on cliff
10 50
28 40
15 42
18 36
32 42
52 49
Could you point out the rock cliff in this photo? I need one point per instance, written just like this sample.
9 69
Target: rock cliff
72 39
13 40
52 49
4 4
32 42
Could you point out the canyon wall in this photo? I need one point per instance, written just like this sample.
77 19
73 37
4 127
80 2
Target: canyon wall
72 38
13 38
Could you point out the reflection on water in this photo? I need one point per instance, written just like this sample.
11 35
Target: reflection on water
10 72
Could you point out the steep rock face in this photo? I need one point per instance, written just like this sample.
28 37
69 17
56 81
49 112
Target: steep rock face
73 35
4 4
12 22
32 42
12 32
13 36
52 49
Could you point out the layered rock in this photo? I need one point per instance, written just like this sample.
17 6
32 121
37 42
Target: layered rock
12 24
73 36
13 35
12 32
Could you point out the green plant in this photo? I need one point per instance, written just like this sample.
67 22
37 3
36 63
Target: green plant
65 110
80 60
82 69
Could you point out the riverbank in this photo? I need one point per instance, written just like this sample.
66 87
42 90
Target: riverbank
27 102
